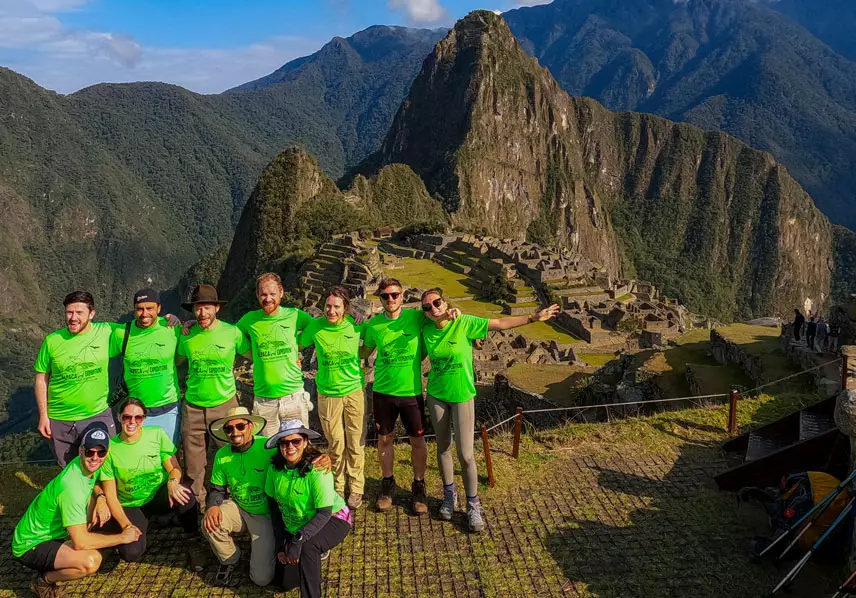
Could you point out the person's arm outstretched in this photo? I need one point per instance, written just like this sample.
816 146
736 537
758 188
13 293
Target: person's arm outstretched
516 321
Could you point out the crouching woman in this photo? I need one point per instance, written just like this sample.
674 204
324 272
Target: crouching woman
308 516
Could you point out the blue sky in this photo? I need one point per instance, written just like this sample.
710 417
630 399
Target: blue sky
204 45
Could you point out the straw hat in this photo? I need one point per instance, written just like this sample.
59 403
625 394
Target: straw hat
216 427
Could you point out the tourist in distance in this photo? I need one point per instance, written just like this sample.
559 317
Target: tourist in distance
141 478
60 512
148 348
451 390
820 335
239 471
832 337
210 347
396 333
278 393
308 516
799 320
810 332
341 400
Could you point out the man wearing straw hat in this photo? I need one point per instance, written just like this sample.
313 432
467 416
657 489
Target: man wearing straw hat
210 348
239 469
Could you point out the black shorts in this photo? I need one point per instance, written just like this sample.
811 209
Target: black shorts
386 409
41 558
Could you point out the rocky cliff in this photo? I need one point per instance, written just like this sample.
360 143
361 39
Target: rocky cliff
717 224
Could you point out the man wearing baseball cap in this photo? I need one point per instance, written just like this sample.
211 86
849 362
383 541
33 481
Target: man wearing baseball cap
59 513
210 348
148 345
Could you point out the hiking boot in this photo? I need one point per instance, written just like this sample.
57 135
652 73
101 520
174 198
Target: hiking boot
450 502
419 501
223 578
475 516
355 500
197 553
384 499
42 589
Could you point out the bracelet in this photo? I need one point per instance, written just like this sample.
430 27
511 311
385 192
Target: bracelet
97 496
529 317
171 480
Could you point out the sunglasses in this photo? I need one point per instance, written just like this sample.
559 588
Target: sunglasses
135 418
436 303
100 453
240 427
295 442
386 296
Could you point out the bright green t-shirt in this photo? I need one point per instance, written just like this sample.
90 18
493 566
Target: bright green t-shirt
149 362
338 350
299 497
450 350
274 340
244 474
137 466
62 504
211 357
77 363
398 367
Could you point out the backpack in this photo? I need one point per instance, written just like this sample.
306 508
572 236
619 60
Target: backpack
795 497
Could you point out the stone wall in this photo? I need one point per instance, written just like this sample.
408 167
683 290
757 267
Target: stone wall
725 352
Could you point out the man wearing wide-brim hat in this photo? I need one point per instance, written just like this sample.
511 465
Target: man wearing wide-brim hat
240 468
210 347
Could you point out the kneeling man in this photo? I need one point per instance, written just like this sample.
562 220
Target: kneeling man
59 512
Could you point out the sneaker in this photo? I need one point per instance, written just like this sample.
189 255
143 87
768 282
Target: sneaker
419 501
384 499
197 553
450 503
223 578
355 500
324 555
475 516
42 589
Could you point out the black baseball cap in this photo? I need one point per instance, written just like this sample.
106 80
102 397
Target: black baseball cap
95 434
146 296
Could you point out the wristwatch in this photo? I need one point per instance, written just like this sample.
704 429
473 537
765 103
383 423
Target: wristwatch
298 537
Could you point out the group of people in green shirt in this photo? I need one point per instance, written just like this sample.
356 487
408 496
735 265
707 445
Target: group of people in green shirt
266 457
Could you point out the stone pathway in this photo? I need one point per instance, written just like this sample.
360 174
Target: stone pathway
572 526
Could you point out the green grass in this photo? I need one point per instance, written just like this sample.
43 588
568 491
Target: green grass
425 274
556 382
597 359
763 342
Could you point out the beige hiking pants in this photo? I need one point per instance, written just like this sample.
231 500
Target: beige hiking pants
275 411
343 421
262 550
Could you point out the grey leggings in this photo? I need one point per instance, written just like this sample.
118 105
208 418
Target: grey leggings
463 417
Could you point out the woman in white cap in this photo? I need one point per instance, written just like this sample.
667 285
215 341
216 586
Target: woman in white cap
308 516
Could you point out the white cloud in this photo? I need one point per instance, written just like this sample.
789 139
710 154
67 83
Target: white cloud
35 43
419 11
531 2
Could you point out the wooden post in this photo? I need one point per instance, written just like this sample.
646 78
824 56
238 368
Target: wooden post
732 412
518 429
844 364
487 458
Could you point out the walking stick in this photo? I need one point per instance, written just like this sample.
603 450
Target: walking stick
847 588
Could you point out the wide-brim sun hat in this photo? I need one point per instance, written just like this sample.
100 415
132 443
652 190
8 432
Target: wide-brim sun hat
204 293
216 427
289 427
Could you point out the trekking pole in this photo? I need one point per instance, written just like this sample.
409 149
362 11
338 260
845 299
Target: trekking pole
847 588
799 566
816 510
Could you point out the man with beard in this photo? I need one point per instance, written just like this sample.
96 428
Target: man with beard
148 348
278 393
210 348
53 537
239 472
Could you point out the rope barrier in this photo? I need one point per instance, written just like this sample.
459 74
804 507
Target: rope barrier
581 407
505 421
817 367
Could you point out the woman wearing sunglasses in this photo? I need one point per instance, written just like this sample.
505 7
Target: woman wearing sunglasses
141 478
341 401
308 515
451 390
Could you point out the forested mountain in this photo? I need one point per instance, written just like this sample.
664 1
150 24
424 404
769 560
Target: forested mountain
717 224
732 65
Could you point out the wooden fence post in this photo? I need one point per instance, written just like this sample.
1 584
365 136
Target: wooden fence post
487 458
732 412
518 429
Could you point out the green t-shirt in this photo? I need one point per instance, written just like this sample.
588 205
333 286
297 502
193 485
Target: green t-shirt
77 364
299 496
450 350
338 349
149 362
211 357
137 466
244 474
62 504
398 367
274 340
